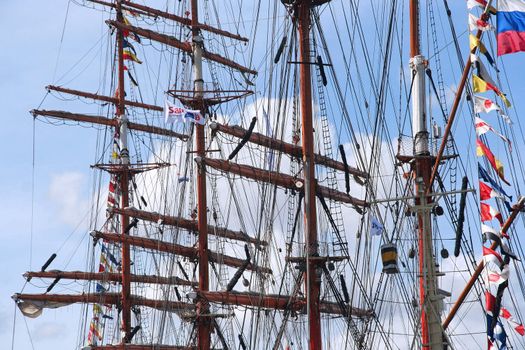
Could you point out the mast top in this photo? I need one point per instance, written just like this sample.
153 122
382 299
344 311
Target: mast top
414 28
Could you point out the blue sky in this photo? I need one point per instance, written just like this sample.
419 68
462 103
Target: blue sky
31 49
31 41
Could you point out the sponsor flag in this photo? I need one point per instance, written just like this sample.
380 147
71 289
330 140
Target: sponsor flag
173 113
511 26
477 23
489 213
194 116
483 150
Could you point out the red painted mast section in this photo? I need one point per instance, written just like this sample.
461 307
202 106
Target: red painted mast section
203 322
313 278
124 190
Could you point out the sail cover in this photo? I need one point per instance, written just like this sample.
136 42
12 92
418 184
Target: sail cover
33 309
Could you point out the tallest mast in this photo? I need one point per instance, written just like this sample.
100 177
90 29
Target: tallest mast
203 317
430 303
313 274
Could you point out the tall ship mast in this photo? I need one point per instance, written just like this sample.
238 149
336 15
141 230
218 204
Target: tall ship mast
292 174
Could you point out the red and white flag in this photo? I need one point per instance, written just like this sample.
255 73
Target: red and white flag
480 3
496 277
518 327
489 213
484 105
483 127
477 23
490 255
487 192
490 302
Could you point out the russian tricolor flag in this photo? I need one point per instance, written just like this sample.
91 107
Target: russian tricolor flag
511 26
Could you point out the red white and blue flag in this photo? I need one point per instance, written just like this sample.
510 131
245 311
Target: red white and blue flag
511 26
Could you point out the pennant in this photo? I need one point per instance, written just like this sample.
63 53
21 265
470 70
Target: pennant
491 234
111 257
483 127
511 26
129 34
506 118
483 150
517 326
483 73
484 105
132 79
490 255
128 55
484 175
480 85
477 23
500 336
489 213
127 44
490 302
497 277
480 3
487 192
475 42
376 229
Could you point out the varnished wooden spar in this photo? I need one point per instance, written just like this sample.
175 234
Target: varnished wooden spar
279 179
183 46
173 248
104 98
105 298
189 225
146 10
84 118
284 147
280 302
109 277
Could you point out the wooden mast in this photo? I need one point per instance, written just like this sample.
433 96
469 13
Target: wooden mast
431 331
203 322
313 271
124 186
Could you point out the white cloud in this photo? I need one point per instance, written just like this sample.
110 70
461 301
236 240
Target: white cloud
49 330
67 193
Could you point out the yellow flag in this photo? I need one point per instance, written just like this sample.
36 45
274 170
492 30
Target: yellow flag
479 84
128 55
504 99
